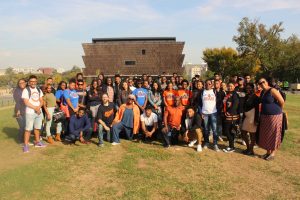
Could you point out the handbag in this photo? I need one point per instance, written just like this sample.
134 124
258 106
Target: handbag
59 116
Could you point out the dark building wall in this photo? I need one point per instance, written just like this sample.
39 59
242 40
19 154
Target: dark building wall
133 57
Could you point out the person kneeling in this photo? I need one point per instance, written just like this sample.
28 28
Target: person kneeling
105 118
79 127
127 119
149 124
192 128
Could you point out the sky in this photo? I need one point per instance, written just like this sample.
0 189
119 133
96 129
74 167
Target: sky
40 33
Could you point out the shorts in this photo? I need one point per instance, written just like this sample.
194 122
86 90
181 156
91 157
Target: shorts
33 121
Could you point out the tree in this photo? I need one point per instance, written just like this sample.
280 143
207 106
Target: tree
260 43
9 71
222 60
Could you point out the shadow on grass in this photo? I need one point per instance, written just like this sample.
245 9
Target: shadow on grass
11 133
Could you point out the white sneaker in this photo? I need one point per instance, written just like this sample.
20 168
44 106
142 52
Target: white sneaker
243 142
199 148
115 143
221 139
216 148
192 143
205 146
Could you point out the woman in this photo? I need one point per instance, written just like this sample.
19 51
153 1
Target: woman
59 100
110 89
93 101
231 115
101 77
127 119
155 100
270 127
49 107
20 108
173 80
123 95
169 95
224 87
250 121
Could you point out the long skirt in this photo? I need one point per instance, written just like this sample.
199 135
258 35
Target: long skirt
270 132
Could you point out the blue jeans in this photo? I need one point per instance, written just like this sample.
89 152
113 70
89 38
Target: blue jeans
210 123
21 122
118 128
101 130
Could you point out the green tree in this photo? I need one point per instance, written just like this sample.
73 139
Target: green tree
222 60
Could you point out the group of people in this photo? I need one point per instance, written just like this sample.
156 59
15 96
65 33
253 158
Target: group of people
170 109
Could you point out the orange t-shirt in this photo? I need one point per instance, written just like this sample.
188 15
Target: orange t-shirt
169 96
174 115
184 95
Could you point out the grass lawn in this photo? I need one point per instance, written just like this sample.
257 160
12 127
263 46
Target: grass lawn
143 171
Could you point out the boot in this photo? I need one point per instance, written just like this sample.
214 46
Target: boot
50 140
57 137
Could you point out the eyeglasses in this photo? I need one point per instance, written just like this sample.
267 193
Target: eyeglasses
262 82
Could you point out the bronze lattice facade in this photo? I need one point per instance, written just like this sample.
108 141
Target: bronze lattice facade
133 56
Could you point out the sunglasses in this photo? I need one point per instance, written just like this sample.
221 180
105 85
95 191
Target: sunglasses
131 99
262 82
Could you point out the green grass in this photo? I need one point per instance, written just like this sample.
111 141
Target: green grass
142 171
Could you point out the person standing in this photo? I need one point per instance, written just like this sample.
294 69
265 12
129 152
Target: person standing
71 98
49 107
220 96
169 95
231 115
270 127
93 102
20 108
141 96
123 95
110 89
33 99
155 100
184 93
208 104
105 117
59 95
250 120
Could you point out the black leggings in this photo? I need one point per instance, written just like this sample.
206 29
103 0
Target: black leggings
228 127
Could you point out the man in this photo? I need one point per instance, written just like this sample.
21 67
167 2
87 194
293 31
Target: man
149 123
131 84
79 127
241 91
208 104
172 122
49 81
192 128
144 77
82 100
247 78
220 96
146 85
105 117
71 98
217 77
184 93
117 87
33 100
141 95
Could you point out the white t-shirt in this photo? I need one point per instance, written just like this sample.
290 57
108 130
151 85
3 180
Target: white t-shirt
209 102
34 98
149 121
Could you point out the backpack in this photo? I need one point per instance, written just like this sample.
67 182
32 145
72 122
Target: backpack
29 91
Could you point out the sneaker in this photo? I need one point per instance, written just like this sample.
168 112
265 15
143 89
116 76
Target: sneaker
221 139
39 144
115 143
25 148
205 146
30 144
199 148
216 148
192 143
229 150
243 143
100 145
167 146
